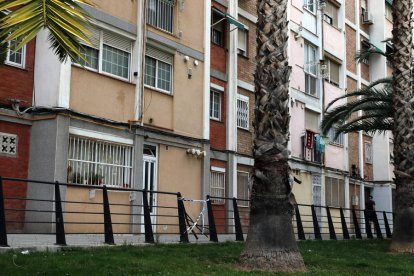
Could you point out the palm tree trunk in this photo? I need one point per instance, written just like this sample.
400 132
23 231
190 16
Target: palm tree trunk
403 103
271 244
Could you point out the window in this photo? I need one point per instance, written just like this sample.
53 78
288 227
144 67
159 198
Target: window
107 53
368 152
331 14
8 144
311 120
317 195
215 105
150 173
158 69
217 29
336 141
309 5
365 46
242 111
160 14
217 184
310 67
96 162
333 72
242 42
334 192
15 57
243 188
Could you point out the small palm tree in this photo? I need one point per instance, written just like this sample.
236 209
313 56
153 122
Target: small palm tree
66 21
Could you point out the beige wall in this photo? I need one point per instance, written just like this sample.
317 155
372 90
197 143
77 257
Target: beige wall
123 9
182 111
82 195
178 172
102 96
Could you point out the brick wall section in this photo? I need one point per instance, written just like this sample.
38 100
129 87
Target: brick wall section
351 49
15 167
353 150
245 137
350 10
17 83
368 168
249 6
218 129
246 66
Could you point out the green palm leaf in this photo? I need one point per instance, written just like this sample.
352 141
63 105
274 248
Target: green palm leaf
66 20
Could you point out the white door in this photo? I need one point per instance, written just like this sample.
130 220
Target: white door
150 179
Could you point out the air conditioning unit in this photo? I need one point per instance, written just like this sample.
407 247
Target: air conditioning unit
367 18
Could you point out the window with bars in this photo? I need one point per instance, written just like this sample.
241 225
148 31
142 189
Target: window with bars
243 188
242 111
334 192
217 184
317 195
338 140
158 69
215 105
96 162
310 68
160 14
15 57
107 53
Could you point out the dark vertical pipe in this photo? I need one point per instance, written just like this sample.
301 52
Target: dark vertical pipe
237 223
356 225
387 225
211 222
332 233
3 230
377 226
60 225
344 226
181 219
109 234
299 225
149 235
316 229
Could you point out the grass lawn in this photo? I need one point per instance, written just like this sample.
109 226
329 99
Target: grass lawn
321 258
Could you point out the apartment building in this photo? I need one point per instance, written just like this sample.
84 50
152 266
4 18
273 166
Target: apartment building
325 38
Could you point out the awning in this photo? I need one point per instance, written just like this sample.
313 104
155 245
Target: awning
230 19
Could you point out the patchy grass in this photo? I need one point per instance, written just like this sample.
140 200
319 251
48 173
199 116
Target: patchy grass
321 258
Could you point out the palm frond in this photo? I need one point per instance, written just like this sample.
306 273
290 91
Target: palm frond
67 22
366 53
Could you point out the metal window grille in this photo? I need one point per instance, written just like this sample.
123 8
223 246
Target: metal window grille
242 112
217 187
94 162
8 144
317 195
160 14
243 188
215 105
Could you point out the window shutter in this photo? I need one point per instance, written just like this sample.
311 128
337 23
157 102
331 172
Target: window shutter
159 55
94 38
117 41
334 72
311 120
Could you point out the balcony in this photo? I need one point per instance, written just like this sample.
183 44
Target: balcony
312 154
160 14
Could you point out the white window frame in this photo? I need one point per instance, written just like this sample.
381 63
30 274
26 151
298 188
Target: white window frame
339 141
100 49
79 138
242 45
244 99
212 91
245 202
310 3
222 173
21 65
307 65
157 59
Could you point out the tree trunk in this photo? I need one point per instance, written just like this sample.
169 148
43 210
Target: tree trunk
271 244
403 102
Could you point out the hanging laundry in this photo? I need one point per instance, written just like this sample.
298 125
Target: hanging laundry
310 139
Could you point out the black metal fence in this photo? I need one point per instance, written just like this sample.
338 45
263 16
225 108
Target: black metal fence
62 209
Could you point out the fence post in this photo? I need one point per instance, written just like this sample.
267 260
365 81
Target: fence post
149 235
211 222
387 226
60 224
356 225
181 219
237 223
332 233
299 225
3 230
377 226
316 229
345 232
109 234
368 225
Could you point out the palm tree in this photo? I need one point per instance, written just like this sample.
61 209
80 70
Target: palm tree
403 131
374 101
66 21
271 243
3 45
